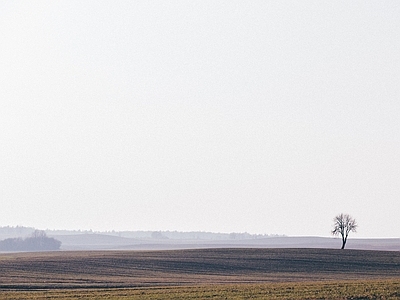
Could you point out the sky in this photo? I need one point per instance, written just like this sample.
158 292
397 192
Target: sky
227 116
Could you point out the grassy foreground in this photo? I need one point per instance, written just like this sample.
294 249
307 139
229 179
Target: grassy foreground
373 289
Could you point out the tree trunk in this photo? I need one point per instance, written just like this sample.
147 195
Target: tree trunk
344 240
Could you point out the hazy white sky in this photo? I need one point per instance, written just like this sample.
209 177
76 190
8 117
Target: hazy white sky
258 116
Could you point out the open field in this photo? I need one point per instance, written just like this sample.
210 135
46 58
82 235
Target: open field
197 274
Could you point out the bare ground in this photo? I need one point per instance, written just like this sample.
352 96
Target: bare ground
127 269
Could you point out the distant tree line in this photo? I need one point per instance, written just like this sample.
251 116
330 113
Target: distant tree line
12 232
38 241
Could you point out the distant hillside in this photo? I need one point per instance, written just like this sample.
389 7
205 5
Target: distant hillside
107 242
175 235
162 240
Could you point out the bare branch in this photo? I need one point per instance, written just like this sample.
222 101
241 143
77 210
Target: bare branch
343 225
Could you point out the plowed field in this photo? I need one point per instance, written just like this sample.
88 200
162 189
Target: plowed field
131 269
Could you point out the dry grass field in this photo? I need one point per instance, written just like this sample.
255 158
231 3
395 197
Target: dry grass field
201 274
370 289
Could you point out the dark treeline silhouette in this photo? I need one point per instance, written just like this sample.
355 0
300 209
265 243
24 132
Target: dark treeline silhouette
37 242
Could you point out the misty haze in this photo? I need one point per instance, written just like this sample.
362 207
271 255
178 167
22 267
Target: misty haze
218 116
199 149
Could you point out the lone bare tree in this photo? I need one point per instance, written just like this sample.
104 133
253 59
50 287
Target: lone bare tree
343 225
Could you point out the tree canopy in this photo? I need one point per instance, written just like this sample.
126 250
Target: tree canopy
343 225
